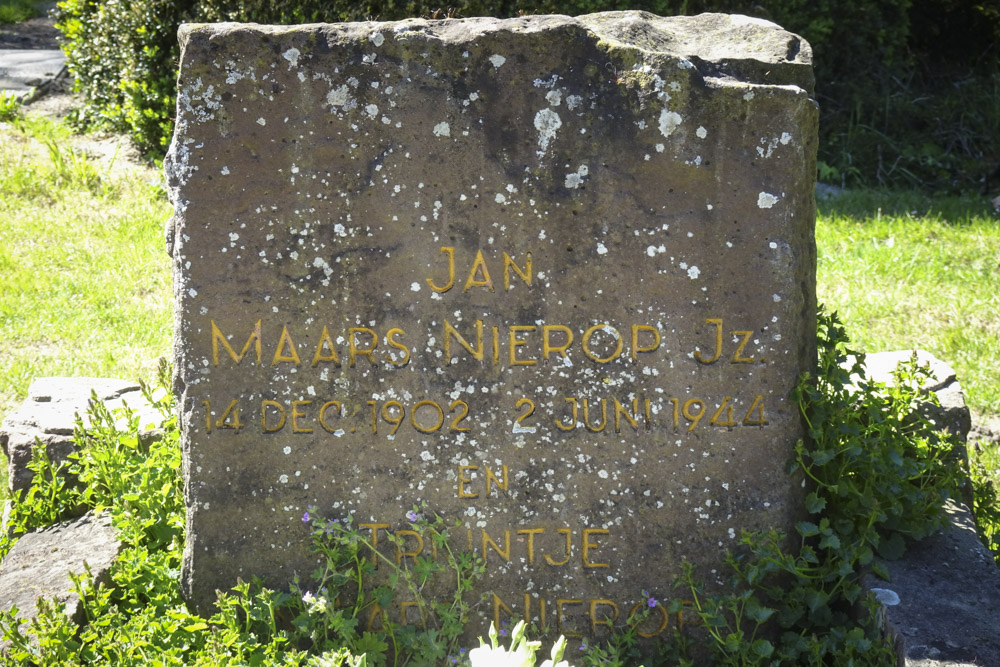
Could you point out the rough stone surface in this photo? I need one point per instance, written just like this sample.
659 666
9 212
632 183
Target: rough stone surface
40 563
945 604
407 253
49 414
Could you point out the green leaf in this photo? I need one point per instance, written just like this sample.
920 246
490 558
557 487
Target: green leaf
762 648
892 548
815 504
807 529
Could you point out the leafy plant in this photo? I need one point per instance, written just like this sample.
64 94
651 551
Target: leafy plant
10 107
877 474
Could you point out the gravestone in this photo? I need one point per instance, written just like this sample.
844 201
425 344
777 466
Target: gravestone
550 277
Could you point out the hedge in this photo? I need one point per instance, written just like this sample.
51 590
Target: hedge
909 92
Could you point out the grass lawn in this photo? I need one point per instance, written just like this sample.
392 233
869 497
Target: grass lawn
84 276
905 271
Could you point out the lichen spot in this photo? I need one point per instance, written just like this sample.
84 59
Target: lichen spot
442 130
785 138
377 39
701 132
547 122
292 56
693 272
766 200
575 179
497 60
669 121
338 97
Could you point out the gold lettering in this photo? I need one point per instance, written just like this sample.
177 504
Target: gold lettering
376 614
588 545
499 604
404 608
374 545
569 534
516 342
450 331
353 351
400 553
217 337
586 416
605 620
390 339
548 347
572 424
504 553
450 252
636 348
717 323
531 532
295 417
322 415
737 359
607 328
500 485
478 268
560 603
283 342
663 625
263 416
509 264
463 480
325 340
620 411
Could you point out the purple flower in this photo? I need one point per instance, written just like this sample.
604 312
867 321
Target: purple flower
412 516
305 517
651 602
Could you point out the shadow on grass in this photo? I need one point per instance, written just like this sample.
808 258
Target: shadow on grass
873 204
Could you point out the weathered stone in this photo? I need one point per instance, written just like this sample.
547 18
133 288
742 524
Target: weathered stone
406 253
942 604
40 563
49 415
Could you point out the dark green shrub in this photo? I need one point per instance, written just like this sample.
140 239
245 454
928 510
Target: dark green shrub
909 92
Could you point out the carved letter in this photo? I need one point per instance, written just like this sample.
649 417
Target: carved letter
516 342
353 351
608 329
449 332
588 545
324 340
463 480
283 342
478 267
263 416
450 252
218 337
531 532
605 620
295 417
390 338
717 322
636 348
569 533
547 346
500 485
508 264
504 553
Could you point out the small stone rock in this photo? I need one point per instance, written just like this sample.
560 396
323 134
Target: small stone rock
49 414
40 563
